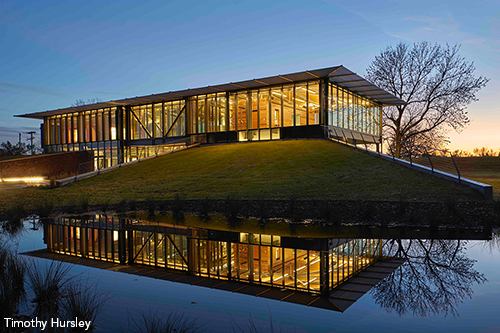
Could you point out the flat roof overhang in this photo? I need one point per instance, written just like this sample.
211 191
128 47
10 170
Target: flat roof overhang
339 299
338 75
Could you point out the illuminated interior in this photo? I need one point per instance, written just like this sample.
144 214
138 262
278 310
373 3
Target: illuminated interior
282 262
299 105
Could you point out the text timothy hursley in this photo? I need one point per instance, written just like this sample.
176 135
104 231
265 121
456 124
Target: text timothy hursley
43 324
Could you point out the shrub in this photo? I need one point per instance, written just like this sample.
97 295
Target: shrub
104 206
402 206
83 301
204 209
496 206
52 182
152 323
178 207
122 206
151 207
368 212
132 205
12 278
44 210
47 283
84 204
231 212
451 205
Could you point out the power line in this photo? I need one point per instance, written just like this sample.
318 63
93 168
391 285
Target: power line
31 133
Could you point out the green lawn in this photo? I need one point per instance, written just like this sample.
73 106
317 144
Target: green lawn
301 169
482 169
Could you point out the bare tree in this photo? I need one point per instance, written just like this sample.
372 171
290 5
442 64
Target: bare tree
435 278
437 84
80 102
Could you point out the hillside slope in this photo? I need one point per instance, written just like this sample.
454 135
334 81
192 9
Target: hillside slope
312 169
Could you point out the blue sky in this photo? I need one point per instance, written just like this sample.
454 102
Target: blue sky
54 52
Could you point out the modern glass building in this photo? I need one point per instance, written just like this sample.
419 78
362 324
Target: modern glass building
317 103
316 265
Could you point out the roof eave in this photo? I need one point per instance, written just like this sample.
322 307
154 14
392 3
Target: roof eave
338 74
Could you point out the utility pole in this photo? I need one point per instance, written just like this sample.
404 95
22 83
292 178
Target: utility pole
32 148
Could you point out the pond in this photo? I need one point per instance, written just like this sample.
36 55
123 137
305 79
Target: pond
435 285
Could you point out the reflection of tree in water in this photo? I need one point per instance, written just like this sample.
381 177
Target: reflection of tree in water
436 277
494 244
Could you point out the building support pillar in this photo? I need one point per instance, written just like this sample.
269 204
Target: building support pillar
192 258
122 249
324 102
130 246
324 268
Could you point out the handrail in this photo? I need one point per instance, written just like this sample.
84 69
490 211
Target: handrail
142 154
409 150
456 167
429 157
444 153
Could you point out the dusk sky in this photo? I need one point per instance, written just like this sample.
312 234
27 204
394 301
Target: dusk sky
55 52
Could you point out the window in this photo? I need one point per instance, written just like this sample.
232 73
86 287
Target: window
313 103
276 98
221 111
264 110
288 106
301 105
242 111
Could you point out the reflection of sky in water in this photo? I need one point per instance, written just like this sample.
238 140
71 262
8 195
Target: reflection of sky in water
133 294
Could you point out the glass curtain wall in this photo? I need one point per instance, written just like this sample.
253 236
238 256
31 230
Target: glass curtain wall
248 257
98 238
97 130
257 114
160 250
94 130
351 111
207 114
174 119
158 120
137 152
352 257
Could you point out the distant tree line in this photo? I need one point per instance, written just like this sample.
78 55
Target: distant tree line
476 152
9 149
20 148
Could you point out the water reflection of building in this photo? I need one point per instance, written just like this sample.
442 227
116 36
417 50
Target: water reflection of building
315 266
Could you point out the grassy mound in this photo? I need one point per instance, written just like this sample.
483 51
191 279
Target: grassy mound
300 169
482 169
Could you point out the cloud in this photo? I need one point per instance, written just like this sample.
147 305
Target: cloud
109 93
21 129
446 28
12 133
437 25
475 41
18 87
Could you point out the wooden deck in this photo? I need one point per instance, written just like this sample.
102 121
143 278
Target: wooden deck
340 299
